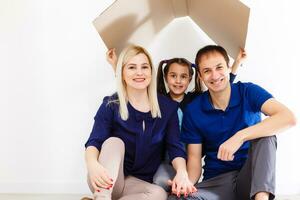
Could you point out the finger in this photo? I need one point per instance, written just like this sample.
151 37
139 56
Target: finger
189 189
178 189
99 182
96 188
227 155
169 182
194 189
219 153
174 188
106 179
184 190
106 184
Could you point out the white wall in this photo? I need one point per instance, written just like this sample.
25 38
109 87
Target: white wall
54 75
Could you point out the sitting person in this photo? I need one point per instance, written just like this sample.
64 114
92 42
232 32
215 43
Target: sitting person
131 129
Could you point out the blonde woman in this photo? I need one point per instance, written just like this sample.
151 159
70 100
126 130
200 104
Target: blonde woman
130 132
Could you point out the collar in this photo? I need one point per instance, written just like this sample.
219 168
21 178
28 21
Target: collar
138 115
235 99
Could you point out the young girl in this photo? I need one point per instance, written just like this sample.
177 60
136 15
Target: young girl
130 130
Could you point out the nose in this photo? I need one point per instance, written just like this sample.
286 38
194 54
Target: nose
214 74
139 71
178 79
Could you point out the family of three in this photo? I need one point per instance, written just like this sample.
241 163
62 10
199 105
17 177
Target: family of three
137 126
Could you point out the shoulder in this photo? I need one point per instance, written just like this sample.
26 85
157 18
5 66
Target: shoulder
109 104
163 100
195 100
166 104
250 88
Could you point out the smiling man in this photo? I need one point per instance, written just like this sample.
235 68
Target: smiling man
224 125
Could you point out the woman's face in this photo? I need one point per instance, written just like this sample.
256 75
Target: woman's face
178 79
137 72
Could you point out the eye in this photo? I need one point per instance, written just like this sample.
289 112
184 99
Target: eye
145 67
172 75
219 67
184 76
205 71
131 67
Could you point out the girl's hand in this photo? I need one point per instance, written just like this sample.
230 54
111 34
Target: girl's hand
181 185
99 176
111 58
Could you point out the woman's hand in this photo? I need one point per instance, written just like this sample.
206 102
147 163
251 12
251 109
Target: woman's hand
99 177
181 185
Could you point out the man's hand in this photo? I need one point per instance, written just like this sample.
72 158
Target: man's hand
229 147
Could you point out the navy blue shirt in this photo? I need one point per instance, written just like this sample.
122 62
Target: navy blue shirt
203 124
143 147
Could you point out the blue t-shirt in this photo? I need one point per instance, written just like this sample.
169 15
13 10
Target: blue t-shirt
203 124
144 144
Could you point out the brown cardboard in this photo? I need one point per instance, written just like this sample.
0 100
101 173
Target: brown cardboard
139 21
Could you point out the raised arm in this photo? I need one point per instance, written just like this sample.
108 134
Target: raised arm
239 60
112 58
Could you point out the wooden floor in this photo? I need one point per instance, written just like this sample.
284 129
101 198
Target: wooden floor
78 197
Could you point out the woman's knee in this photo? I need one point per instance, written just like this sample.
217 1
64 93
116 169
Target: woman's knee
156 192
114 142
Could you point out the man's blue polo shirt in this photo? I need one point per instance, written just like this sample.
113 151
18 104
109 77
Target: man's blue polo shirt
203 124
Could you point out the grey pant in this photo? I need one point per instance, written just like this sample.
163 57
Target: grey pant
124 188
257 175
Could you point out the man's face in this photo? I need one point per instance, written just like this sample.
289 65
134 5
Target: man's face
214 72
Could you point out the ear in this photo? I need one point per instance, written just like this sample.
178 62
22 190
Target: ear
199 76
229 68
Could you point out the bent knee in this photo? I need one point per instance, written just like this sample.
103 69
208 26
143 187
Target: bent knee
114 141
156 192
270 140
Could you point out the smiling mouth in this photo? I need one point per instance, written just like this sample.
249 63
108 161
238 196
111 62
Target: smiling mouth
177 86
139 79
217 82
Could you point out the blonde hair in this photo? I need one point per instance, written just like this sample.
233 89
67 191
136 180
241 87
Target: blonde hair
124 57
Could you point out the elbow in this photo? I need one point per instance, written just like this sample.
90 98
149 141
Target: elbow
292 120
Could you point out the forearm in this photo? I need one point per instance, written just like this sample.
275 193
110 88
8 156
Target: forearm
269 126
91 155
235 66
194 170
179 164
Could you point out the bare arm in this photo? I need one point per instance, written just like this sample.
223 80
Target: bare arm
194 163
97 173
181 183
280 118
238 61
112 58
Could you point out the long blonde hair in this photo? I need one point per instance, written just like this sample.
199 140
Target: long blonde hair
124 57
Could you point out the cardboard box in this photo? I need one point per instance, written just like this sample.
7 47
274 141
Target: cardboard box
139 21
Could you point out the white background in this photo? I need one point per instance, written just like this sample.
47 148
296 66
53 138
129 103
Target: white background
53 76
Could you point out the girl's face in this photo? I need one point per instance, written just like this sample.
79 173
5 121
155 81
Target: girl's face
178 79
137 72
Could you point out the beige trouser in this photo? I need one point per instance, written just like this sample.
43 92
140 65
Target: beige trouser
124 188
